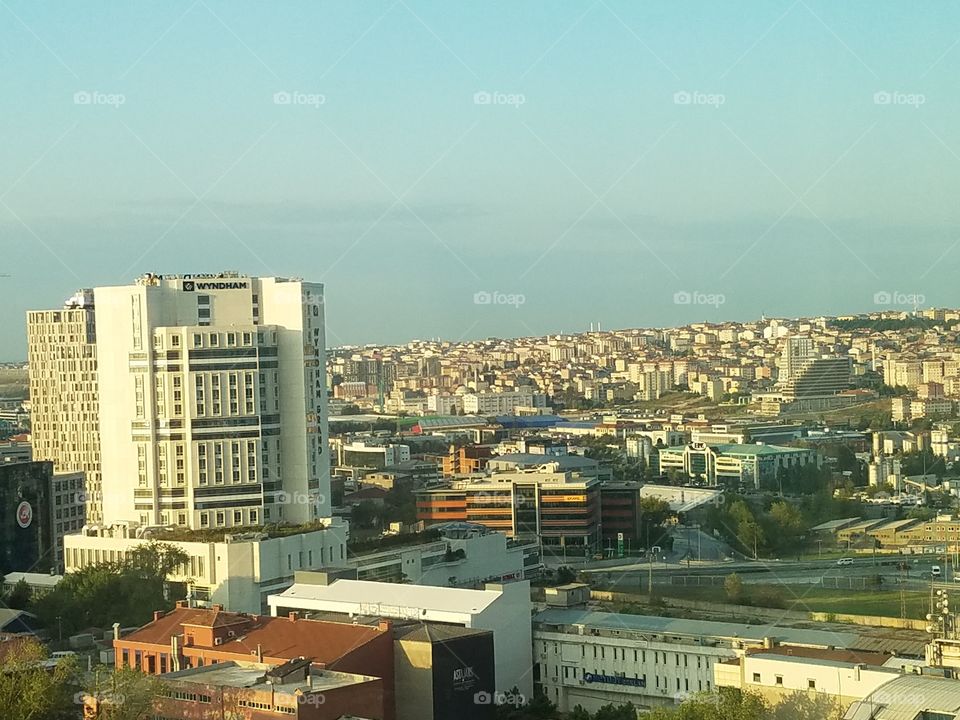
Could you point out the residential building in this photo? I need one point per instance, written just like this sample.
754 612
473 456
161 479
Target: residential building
503 609
502 403
64 392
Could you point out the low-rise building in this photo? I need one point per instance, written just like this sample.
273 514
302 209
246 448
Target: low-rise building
594 658
466 555
193 638
503 609
235 570
294 689
838 677
750 465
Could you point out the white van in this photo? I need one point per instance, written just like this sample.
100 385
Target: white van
845 561
935 571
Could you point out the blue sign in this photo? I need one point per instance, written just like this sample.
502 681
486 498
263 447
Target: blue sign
614 680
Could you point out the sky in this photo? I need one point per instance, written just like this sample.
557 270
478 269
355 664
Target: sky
495 168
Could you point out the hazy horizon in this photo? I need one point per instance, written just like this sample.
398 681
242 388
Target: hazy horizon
596 159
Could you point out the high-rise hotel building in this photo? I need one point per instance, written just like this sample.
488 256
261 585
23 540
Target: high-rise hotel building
213 401
62 355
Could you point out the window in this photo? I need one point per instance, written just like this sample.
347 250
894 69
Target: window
811 684
778 680
756 677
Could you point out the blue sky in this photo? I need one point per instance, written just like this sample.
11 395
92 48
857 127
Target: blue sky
593 158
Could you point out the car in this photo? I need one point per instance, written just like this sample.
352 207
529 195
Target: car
935 571
845 561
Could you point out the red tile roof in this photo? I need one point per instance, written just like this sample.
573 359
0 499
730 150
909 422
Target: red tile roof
277 637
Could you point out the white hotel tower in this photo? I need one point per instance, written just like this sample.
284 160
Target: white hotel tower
213 405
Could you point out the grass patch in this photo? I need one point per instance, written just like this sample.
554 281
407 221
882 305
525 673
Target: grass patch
804 598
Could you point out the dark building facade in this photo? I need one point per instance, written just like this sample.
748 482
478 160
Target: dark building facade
445 672
26 530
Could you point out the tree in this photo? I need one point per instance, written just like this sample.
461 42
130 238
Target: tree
33 689
804 706
565 575
19 596
124 694
127 591
616 712
733 586
725 704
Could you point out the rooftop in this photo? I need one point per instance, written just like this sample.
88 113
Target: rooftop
695 628
389 599
278 637
253 676
904 697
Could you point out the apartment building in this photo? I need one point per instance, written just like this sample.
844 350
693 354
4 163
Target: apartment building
64 396
502 403
212 390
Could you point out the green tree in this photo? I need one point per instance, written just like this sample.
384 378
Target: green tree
124 694
127 592
616 712
725 704
19 596
733 586
35 691
804 706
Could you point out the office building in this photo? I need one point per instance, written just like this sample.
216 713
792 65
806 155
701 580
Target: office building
212 391
444 671
64 397
751 465
561 508
233 570
594 659
26 517
503 609
466 555
837 677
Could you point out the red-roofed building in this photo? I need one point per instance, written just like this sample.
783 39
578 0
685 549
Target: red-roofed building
187 638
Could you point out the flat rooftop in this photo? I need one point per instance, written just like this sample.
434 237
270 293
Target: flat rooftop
253 676
388 599
696 628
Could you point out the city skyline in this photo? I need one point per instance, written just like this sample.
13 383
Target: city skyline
595 159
